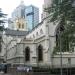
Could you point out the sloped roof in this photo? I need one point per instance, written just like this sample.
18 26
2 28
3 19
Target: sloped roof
15 32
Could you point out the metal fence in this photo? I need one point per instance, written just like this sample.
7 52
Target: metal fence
14 71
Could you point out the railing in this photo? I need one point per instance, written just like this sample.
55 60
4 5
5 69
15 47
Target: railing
14 71
63 66
49 71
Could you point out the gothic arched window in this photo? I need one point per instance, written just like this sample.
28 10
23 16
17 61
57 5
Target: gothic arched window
19 26
41 31
22 25
37 34
27 54
33 36
40 53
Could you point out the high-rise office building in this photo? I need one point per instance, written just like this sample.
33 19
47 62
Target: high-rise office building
19 12
18 20
24 17
32 16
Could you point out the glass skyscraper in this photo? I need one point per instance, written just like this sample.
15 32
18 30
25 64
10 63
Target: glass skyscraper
19 12
32 16
29 13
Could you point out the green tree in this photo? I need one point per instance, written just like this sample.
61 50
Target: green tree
2 20
62 12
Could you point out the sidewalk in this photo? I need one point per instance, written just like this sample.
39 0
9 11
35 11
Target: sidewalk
2 73
7 74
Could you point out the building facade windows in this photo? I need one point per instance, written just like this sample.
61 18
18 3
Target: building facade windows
40 53
37 34
29 13
69 61
33 36
27 54
19 26
22 25
32 16
41 31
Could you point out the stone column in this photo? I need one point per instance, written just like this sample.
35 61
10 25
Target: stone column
34 55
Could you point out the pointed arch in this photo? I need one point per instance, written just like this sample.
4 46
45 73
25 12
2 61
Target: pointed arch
40 53
27 54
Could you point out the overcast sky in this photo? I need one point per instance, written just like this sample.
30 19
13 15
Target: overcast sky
9 5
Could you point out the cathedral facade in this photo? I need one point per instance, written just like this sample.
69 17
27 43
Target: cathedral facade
32 48
36 47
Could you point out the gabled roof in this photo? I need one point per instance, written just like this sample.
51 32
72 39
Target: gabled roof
15 32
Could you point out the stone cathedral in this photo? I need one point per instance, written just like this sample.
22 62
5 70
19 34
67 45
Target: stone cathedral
34 48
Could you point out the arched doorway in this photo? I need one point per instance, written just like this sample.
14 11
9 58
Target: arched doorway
40 53
27 54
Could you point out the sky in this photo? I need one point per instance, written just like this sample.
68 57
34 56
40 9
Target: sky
9 5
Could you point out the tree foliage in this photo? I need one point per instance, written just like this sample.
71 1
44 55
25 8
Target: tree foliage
2 21
63 13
